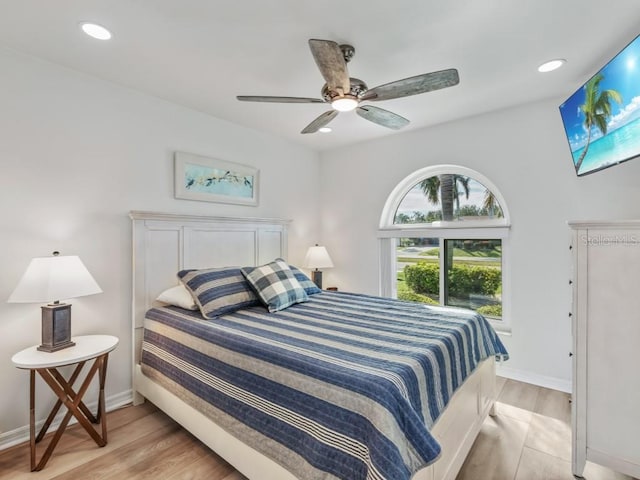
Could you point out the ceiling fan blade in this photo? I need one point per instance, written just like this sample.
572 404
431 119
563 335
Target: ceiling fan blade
330 61
382 117
250 98
426 82
320 121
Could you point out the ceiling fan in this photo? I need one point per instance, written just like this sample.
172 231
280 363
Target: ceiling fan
345 93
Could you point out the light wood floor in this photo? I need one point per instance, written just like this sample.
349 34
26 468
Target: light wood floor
530 439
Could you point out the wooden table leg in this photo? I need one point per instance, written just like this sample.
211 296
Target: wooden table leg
101 416
73 402
56 407
32 418
67 386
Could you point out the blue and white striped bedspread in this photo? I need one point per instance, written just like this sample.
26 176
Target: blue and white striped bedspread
344 386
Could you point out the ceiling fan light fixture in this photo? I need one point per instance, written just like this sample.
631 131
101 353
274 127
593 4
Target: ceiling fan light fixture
324 129
344 104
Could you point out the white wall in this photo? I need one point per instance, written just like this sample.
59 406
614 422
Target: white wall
524 153
76 155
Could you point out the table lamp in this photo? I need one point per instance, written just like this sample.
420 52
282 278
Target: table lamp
50 279
317 257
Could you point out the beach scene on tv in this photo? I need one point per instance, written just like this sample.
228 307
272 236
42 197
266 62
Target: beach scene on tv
602 119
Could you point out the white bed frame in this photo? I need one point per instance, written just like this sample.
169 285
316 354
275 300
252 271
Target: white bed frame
163 244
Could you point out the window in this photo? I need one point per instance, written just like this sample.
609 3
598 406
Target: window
444 235
472 279
447 197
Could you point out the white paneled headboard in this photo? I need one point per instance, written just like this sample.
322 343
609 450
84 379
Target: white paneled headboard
164 244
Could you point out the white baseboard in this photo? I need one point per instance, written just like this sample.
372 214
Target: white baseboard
534 378
21 434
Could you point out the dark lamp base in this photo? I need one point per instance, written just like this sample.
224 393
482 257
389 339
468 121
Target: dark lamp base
316 277
56 327
59 346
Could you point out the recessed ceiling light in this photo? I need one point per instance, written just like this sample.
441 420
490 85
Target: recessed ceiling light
551 65
96 31
324 129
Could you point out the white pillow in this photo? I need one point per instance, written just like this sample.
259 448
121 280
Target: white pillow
178 296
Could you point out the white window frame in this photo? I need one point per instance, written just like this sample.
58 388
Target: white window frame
497 228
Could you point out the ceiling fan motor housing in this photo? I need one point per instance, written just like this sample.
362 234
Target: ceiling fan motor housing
357 88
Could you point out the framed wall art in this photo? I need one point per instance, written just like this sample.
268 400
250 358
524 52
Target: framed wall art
212 180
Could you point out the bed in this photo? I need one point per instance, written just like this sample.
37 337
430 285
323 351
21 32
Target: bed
339 385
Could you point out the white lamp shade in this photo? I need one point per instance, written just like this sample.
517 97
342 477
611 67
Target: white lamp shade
49 279
317 257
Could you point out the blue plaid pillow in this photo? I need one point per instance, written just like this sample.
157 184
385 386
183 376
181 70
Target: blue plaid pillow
306 283
276 285
218 290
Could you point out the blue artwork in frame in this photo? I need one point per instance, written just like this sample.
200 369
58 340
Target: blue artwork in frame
212 180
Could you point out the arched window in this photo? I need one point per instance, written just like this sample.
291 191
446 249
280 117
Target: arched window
444 240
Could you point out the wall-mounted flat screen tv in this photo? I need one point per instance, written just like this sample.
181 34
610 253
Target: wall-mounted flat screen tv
602 118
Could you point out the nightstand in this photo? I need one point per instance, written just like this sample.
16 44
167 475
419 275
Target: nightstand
86 349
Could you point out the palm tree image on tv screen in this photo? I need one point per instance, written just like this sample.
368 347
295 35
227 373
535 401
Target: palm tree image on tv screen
597 111
602 118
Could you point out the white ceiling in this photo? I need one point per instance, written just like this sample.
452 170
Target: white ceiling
202 53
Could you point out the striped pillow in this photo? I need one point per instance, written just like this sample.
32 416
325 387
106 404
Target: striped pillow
306 283
276 285
218 290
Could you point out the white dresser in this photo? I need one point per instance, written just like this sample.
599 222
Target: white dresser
606 345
